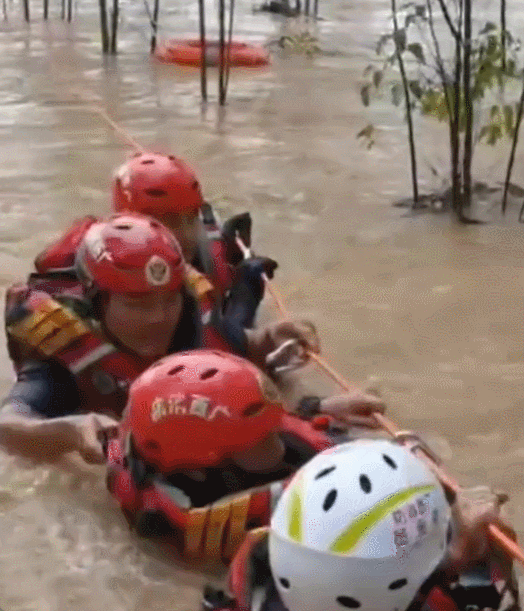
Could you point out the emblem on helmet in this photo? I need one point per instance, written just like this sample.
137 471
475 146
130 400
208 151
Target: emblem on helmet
158 272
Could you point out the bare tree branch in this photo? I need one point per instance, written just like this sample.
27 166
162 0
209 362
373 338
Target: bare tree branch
445 12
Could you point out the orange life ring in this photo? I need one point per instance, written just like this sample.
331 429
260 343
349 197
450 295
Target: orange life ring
189 53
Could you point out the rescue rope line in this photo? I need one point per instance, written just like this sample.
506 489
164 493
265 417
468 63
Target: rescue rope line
416 445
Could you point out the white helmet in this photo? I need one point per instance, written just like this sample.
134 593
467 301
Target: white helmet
360 526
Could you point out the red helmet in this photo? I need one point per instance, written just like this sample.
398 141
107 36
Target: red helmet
193 409
130 253
154 183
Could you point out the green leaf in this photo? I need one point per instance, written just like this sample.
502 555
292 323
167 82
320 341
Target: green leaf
409 20
420 10
367 132
416 89
416 49
364 94
368 70
377 78
508 118
484 131
382 41
510 67
396 94
488 27
494 111
399 38
495 134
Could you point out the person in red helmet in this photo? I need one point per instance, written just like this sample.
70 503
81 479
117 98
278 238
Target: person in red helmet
166 188
200 426
78 340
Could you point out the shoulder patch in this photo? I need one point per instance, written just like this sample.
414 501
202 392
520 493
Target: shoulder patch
198 284
45 325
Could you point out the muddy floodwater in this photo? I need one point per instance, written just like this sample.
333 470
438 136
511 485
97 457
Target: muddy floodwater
435 311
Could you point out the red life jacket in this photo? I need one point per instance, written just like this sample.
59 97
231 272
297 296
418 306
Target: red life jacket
212 253
244 577
43 322
61 254
213 532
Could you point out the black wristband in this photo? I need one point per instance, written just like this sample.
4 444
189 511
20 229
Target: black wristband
308 407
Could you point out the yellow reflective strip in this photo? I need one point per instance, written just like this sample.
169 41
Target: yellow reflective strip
23 329
295 514
357 530
196 521
63 338
41 332
237 524
218 517
39 328
198 283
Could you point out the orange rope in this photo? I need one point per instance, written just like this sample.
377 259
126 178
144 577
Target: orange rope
385 423
496 534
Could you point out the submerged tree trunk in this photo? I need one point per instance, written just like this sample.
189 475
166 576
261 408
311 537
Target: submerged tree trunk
203 72
456 183
468 108
229 42
503 32
221 55
104 32
156 9
407 98
511 161
114 27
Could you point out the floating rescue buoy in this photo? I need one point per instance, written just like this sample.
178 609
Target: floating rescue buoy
189 53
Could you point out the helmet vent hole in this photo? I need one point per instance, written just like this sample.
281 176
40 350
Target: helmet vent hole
209 373
156 192
284 583
171 157
253 409
147 161
330 499
365 484
348 602
396 585
152 446
389 461
325 472
175 370
195 185
123 226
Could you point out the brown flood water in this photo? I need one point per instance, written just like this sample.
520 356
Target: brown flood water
434 310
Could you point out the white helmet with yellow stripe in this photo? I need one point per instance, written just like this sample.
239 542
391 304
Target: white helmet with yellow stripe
361 526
